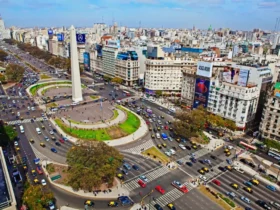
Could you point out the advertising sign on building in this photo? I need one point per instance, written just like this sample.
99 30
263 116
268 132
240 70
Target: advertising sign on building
86 61
60 37
201 92
204 69
81 38
114 43
231 75
243 77
98 48
50 32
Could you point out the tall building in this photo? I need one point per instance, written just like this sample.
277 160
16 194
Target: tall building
188 86
109 54
4 33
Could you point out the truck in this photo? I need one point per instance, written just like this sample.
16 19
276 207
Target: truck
17 177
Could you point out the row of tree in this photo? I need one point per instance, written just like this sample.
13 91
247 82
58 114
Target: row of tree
91 165
192 122
3 55
14 73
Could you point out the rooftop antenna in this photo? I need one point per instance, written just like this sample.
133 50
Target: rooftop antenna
276 24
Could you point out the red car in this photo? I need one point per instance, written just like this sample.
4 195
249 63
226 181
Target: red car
141 183
179 186
39 170
160 189
166 127
217 182
147 122
61 140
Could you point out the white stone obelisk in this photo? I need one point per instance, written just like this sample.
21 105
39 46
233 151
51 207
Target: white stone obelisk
75 69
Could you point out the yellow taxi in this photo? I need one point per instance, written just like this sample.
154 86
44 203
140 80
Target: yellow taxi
194 146
255 181
89 203
13 113
150 128
248 189
43 127
153 136
36 181
17 149
120 176
201 171
164 145
33 172
229 168
171 206
178 140
14 128
158 128
42 144
226 150
113 204
235 186
159 146
228 154
31 141
205 169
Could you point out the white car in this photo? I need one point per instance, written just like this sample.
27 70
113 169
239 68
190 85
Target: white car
143 178
32 108
204 178
182 146
51 132
157 135
18 114
43 182
168 153
245 199
16 143
172 151
28 108
14 101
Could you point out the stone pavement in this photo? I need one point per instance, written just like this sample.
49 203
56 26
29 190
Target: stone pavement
119 119
214 142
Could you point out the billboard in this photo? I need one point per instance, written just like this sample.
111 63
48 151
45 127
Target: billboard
86 61
201 92
114 43
98 48
50 32
243 77
231 75
81 38
60 37
204 69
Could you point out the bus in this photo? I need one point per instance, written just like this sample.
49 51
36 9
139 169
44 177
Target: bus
126 93
21 128
274 153
248 146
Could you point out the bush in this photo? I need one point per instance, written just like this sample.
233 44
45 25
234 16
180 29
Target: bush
271 143
50 168
229 202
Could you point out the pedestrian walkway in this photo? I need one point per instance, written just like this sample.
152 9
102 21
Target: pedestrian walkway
131 185
215 171
139 148
196 154
15 122
119 119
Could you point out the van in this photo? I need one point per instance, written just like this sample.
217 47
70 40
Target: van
38 131
157 135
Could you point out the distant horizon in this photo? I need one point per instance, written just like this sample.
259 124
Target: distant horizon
244 15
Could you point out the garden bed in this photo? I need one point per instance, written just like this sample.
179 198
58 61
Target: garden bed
154 153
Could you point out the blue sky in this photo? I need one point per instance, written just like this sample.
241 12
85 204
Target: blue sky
235 14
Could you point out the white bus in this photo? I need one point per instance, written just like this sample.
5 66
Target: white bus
21 128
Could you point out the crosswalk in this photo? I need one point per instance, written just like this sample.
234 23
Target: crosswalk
196 154
137 150
131 185
39 154
15 122
170 196
215 171
13 97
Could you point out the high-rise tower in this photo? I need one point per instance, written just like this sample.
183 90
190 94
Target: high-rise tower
75 69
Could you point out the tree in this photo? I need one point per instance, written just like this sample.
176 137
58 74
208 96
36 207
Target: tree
36 197
92 164
117 80
7 134
158 93
14 72
3 55
107 78
2 78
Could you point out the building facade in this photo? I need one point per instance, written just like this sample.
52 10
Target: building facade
188 86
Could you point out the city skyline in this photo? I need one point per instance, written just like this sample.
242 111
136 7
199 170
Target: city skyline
244 15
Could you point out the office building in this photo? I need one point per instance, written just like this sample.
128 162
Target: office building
109 54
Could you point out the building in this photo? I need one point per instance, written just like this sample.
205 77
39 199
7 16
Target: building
7 196
4 33
270 124
109 54
188 86
127 67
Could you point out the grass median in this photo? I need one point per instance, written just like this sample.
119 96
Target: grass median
35 88
154 153
44 76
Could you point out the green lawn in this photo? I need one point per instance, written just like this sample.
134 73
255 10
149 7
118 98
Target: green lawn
44 76
131 124
94 97
34 89
10 132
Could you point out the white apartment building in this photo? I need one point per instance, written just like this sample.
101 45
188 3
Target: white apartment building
188 86
109 54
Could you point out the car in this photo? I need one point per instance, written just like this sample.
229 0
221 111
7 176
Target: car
205 169
61 140
36 181
244 161
120 176
201 171
235 186
33 172
182 146
42 144
141 183
193 159
125 200
171 206
245 199
135 167
179 186
180 162
248 189
89 203
31 141
263 204
160 189
188 147
57 143
222 168
53 150
159 146
46 138
231 194
248 183
271 187
143 178
255 181
229 168
39 170
228 154
43 182
252 165
203 178
124 171
164 145
275 205
166 127
217 182
16 143
168 153
113 204
51 132
213 157
158 207
189 163
51 205
194 146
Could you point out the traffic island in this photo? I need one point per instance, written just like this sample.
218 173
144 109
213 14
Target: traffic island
155 154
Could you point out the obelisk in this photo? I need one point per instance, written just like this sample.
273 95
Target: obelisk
75 69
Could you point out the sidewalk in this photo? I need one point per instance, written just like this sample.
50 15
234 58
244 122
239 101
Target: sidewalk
115 192
119 119
214 143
